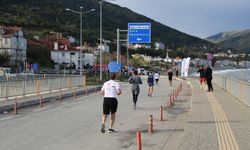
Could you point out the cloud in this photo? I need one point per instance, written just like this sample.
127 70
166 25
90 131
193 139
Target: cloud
200 18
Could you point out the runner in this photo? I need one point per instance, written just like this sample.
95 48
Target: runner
170 77
177 73
135 80
110 90
202 76
157 77
150 81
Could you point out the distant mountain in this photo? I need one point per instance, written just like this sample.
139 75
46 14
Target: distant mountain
221 36
39 17
236 40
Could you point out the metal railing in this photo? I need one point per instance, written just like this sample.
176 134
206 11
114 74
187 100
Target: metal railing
238 88
25 85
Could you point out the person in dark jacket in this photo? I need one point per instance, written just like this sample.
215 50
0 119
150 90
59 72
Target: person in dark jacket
170 77
202 76
150 81
209 77
135 80
177 73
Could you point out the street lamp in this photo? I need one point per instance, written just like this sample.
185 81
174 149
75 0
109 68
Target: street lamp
100 2
81 13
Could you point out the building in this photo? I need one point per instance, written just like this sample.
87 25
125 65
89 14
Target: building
245 64
159 45
66 55
14 44
71 58
136 46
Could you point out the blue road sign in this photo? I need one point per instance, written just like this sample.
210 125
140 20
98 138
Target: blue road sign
139 32
113 66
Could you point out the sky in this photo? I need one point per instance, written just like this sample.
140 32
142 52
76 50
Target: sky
201 18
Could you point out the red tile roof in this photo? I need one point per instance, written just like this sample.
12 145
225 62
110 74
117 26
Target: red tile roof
32 43
51 39
11 30
62 43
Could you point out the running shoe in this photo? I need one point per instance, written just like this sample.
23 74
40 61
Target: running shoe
134 106
103 128
111 130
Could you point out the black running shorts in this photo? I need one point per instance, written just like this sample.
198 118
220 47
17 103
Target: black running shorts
109 105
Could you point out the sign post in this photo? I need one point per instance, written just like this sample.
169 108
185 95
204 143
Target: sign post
114 67
139 32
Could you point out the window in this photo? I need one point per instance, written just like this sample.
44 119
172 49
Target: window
5 41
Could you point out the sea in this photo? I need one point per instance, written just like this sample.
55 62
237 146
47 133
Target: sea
241 74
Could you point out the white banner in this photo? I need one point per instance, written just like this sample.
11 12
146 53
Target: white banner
185 66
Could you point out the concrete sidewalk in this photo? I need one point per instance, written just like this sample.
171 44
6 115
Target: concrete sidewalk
217 121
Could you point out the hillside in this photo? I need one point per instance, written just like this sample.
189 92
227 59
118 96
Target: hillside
217 38
237 40
39 17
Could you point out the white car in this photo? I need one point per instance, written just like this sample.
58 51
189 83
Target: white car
6 72
141 71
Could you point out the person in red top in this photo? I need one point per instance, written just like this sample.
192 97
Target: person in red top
202 75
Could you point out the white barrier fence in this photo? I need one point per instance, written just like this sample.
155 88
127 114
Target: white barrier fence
35 84
238 88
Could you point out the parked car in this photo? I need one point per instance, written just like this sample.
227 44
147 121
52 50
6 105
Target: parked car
6 72
44 72
141 71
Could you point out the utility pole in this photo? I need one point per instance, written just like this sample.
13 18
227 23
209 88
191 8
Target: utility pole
118 45
81 13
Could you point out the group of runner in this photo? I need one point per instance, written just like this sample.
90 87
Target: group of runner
111 89
135 80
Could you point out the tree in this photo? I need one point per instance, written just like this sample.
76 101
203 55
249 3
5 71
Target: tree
4 59
39 54
138 61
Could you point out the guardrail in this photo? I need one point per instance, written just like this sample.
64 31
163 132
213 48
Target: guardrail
238 88
23 85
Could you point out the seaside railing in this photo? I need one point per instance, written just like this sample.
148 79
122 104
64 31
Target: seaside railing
24 85
238 88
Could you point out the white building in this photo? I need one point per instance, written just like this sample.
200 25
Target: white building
245 64
159 45
105 48
67 57
71 57
14 44
135 46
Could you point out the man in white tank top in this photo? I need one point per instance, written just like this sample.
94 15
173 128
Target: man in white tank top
110 90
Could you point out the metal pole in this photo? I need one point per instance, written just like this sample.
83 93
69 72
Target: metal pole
101 40
81 41
81 12
127 54
57 53
118 45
